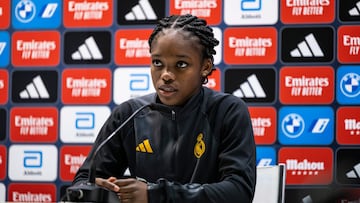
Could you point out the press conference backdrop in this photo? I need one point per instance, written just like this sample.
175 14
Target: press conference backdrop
64 65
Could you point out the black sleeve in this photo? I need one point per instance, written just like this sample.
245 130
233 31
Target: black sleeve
165 191
237 166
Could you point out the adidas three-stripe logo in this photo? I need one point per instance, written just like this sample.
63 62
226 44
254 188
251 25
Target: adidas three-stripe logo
356 10
35 90
250 88
307 48
144 147
88 51
354 173
142 11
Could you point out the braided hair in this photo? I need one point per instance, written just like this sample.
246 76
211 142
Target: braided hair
197 26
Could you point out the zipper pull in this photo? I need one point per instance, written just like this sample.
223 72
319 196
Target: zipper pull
172 115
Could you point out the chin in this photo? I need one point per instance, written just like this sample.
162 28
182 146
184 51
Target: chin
169 102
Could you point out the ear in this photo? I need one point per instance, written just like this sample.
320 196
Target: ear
206 67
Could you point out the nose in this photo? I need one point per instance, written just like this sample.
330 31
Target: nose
167 75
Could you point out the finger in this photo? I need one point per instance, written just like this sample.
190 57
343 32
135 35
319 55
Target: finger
107 184
126 185
111 179
125 182
125 197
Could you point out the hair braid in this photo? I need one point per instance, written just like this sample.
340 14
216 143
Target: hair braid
197 26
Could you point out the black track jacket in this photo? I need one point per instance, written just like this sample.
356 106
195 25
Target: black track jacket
201 152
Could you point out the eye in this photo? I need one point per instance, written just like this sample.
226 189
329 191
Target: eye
156 63
181 64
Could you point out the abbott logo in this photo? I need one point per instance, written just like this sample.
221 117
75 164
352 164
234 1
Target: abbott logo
87 51
33 162
142 11
250 88
131 83
355 11
84 120
307 48
35 90
33 159
81 124
139 82
251 5
251 12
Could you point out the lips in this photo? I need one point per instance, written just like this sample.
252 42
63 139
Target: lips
167 88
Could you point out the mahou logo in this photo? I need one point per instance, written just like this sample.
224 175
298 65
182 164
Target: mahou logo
71 158
348 125
263 120
307 165
210 10
310 85
33 48
88 13
322 11
250 45
4 84
35 124
349 44
84 86
131 47
28 192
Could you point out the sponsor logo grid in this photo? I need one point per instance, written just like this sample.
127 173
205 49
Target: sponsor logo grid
64 65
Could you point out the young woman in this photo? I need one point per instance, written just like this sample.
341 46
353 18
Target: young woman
199 147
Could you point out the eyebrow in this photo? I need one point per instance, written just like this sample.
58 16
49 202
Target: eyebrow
178 56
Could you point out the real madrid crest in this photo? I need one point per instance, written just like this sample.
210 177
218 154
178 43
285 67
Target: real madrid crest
199 148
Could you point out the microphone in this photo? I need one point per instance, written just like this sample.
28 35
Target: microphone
89 191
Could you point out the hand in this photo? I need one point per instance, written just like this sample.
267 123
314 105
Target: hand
108 183
129 190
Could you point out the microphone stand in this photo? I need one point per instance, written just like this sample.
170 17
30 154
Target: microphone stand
89 191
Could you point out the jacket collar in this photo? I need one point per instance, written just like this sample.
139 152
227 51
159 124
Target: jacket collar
193 104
